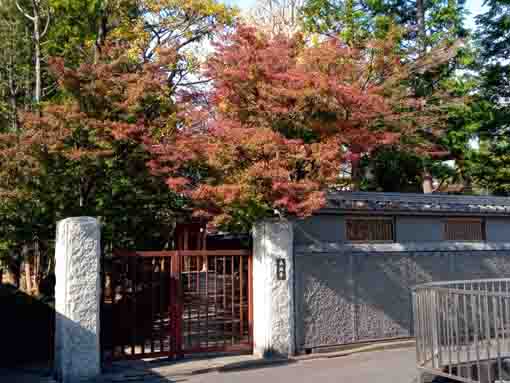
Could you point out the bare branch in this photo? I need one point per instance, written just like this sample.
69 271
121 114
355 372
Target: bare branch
47 24
31 18
196 82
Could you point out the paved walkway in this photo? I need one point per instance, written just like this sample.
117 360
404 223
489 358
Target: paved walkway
387 366
391 366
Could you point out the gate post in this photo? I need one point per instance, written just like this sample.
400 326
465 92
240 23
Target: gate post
77 299
273 282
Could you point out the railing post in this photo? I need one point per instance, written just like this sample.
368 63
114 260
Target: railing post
435 344
416 324
460 329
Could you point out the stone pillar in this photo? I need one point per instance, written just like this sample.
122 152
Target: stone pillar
273 298
77 299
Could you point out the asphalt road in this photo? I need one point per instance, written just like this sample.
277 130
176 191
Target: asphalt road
390 366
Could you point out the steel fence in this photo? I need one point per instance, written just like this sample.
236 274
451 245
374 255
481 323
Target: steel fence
462 329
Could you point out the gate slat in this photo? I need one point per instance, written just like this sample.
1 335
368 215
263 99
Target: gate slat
132 267
224 292
241 302
161 304
153 265
174 301
232 291
197 300
113 292
207 303
250 300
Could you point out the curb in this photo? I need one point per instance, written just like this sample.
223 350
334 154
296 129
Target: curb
235 366
258 363
261 363
358 350
265 362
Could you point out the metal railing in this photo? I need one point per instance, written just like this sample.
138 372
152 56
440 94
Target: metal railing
462 329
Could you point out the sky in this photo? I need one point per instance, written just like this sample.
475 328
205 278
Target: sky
475 7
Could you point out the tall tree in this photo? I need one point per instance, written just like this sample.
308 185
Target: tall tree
423 23
82 152
493 38
280 119
15 66
423 26
39 14
276 16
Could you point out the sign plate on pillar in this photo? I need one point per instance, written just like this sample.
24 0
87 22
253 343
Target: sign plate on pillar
281 274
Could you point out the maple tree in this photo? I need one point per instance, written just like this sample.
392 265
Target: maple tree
270 134
81 152
84 156
136 132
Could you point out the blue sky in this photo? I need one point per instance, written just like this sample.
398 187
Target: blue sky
475 7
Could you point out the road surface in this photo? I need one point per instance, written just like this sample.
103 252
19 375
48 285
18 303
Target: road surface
390 366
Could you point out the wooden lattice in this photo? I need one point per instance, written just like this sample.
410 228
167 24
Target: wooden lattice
464 229
370 229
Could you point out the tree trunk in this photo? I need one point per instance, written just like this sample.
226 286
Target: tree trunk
12 98
420 21
12 88
466 178
99 41
14 113
13 104
27 270
37 272
28 93
37 35
37 58
427 182
422 48
101 32
28 80
355 171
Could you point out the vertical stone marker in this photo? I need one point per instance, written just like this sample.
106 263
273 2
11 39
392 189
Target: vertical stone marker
77 299
273 295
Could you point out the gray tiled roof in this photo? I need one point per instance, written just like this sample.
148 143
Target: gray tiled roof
422 203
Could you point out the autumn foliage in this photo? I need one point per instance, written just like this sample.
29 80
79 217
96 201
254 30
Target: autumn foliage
269 135
109 103
266 137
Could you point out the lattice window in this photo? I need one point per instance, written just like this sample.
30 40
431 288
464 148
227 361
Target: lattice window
464 229
378 229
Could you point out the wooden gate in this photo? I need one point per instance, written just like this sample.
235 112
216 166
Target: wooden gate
174 303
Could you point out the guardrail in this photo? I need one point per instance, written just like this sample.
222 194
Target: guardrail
462 329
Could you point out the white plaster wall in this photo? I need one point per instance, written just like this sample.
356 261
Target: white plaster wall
273 300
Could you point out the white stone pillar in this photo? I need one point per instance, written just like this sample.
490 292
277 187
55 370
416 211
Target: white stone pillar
77 299
273 298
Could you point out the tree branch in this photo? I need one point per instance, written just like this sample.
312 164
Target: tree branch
47 24
196 82
31 18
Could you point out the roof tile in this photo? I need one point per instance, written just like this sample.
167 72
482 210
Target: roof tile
409 202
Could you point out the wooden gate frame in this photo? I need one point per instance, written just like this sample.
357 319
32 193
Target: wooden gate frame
176 303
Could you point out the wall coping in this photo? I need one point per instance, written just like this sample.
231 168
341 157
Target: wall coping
398 247
416 203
